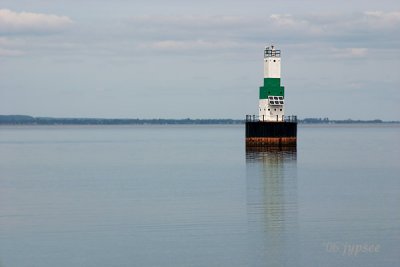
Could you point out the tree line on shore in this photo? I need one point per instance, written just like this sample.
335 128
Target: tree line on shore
29 120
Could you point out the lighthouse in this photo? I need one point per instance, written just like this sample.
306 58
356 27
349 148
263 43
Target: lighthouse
271 127
272 94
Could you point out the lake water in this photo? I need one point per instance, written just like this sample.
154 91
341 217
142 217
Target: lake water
192 196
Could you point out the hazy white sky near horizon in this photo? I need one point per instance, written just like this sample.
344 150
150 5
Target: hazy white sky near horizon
203 59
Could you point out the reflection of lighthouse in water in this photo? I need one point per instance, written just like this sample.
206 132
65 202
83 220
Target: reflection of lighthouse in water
272 207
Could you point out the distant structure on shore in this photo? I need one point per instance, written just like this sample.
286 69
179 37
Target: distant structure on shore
271 128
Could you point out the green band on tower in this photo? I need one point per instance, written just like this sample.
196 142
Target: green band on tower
272 87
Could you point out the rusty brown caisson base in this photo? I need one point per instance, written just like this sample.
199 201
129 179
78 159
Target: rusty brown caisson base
271 141
271 133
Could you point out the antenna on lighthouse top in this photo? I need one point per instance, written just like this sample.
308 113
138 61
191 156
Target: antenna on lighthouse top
271 52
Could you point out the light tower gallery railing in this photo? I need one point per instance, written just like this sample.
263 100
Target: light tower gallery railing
256 118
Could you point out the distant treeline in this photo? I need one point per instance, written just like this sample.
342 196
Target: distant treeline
326 120
29 120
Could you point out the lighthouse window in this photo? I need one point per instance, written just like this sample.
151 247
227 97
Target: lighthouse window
280 97
269 109
281 109
275 98
274 60
281 102
275 109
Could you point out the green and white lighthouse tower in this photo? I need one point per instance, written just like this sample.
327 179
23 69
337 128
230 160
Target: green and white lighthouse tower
271 128
272 94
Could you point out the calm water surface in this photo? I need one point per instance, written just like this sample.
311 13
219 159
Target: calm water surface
192 196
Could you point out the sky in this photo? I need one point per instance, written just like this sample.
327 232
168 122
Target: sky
198 59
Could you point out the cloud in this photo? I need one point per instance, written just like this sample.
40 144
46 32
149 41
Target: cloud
382 20
351 35
353 52
26 22
338 26
191 45
10 52
10 47
327 35
19 29
352 30
190 21
187 27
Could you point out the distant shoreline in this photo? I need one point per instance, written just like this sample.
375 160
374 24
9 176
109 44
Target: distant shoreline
30 120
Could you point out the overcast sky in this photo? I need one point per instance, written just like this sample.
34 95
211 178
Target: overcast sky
203 59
